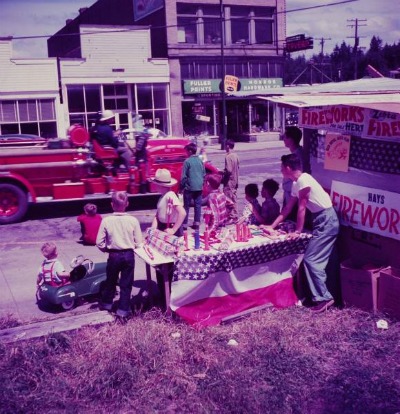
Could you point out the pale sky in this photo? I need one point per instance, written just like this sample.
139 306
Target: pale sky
19 18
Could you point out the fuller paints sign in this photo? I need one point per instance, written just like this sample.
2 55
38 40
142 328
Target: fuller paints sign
352 120
368 209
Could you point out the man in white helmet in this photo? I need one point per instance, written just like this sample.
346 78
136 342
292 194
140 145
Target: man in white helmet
104 135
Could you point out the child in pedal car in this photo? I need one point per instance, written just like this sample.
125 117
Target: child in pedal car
52 271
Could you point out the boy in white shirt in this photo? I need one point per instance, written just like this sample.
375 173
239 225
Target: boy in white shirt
310 195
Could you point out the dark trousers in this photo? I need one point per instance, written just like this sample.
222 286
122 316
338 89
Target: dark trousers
119 262
196 196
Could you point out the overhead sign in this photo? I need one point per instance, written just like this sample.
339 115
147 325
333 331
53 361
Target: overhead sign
213 86
372 210
352 120
143 8
299 42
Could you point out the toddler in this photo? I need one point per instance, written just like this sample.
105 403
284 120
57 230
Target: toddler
52 271
90 223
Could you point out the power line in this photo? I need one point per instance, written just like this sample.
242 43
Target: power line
356 25
165 26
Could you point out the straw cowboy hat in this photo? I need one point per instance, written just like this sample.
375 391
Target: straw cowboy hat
107 114
163 178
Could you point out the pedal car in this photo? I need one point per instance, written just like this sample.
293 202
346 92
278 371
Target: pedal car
86 278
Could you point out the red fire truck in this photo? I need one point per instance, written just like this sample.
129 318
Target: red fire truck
72 169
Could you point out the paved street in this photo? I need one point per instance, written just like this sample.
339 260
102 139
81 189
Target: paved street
20 243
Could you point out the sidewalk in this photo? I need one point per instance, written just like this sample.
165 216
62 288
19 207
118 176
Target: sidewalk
246 146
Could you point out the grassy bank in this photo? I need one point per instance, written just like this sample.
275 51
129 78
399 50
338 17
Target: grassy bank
287 361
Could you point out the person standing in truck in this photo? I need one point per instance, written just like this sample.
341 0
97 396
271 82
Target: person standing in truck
104 134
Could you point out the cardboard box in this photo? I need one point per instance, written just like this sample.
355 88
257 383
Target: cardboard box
359 283
389 292
68 190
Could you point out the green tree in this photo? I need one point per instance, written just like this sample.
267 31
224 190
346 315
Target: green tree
375 56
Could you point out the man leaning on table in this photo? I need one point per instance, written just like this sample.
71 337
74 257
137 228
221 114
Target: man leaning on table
310 195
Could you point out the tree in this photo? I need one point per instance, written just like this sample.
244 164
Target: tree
375 56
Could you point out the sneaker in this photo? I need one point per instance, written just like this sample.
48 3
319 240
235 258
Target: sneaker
322 306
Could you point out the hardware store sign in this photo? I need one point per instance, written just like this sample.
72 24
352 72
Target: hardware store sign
200 86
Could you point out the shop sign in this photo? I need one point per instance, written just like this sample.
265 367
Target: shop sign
352 120
298 42
231 83
372 210
213 86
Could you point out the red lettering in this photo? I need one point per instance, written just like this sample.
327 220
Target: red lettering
336 114
367 215
360 114
314 118
352 114
345 114
334 201
355 211
383 218
346 207
386 130
394 221
372 125
395 128
322 118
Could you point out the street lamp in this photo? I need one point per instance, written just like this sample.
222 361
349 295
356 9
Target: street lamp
222 16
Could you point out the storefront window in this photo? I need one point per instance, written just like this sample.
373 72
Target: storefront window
33 116
144 96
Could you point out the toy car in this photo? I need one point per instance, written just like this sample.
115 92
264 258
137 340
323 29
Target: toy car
86 278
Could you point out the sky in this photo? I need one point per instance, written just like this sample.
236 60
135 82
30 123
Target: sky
21 18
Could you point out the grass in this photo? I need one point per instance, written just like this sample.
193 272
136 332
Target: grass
287 361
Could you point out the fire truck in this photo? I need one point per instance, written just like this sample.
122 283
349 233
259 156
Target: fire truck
76 168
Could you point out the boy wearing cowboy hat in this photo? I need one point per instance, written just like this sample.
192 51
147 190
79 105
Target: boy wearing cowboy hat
170 211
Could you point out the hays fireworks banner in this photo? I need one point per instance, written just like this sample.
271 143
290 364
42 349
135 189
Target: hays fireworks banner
368 209
352 120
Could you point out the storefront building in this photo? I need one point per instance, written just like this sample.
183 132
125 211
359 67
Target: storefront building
203 43
73 90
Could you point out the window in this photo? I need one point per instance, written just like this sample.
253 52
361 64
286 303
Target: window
84 104
201 24
28 116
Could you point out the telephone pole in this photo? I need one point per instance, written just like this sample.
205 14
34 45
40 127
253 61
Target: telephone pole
322 63
356 24
322 42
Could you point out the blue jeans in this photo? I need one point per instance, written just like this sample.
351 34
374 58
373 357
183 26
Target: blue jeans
196 196
123 262
316 256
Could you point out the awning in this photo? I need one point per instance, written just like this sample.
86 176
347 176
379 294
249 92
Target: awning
389 102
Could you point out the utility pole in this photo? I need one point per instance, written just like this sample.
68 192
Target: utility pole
356 25
223 96
322 42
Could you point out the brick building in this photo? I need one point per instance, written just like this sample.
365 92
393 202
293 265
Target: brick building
196 38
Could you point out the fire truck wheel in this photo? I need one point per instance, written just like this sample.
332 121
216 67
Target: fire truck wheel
13 203
69 304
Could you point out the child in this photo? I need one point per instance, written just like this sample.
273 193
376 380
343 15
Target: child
52 271
252 208
270 208
217 202
192 181
119 235
170 211
90 223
